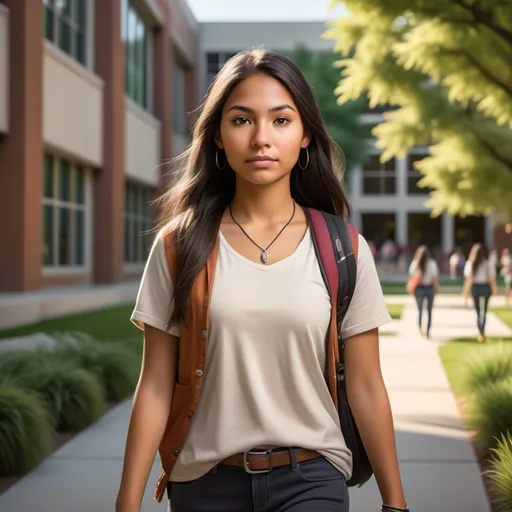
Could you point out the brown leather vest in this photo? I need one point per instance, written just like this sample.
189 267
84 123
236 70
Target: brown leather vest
192 359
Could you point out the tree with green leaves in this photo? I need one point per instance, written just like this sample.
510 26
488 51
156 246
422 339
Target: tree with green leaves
343 122
446 65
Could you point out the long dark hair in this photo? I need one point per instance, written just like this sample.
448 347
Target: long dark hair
422 256
192 209
477 256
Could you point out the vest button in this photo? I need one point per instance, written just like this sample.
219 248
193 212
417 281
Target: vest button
176 453
199 372
204 333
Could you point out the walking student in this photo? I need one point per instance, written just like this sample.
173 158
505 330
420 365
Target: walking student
506 272
234 390
480 281
425 268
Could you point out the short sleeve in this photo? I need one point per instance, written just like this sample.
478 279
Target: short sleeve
367 309
154 300
412 267
468 267
434 269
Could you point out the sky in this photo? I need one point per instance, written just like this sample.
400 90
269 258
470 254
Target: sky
263 10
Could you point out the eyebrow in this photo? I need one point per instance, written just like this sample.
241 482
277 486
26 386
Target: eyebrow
279 108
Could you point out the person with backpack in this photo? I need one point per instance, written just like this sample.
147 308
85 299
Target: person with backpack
261 384
425 270
480 281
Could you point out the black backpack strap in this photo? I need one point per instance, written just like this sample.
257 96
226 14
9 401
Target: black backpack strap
346 262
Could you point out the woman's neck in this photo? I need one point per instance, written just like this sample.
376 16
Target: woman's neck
262 204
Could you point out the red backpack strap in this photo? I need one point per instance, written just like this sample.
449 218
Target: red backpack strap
323 246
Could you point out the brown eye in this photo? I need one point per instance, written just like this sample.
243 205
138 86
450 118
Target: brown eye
281 121
240 121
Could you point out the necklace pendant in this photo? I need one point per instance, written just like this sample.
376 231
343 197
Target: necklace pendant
264 257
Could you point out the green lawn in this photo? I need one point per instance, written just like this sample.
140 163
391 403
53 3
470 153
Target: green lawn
453 354
105 324
398 288
395 310
505 315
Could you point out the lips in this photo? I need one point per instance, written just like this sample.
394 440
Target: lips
263 158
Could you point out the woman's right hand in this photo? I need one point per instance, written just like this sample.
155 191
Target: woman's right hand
150 412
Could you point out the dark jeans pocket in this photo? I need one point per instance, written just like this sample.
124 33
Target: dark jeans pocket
318 470
176 487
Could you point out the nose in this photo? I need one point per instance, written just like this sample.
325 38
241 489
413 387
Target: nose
261 137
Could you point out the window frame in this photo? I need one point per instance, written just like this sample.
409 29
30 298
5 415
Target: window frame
382 174
131 70
413 174
135 256
72 205
58 16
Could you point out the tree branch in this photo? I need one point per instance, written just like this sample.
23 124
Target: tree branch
480 67
484 18
494 153
507 162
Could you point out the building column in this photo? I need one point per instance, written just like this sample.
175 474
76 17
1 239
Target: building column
191 96
401 177
447 233
109 183
162 65
489 232
21 152
402 228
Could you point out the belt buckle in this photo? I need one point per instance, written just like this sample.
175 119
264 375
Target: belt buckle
261 453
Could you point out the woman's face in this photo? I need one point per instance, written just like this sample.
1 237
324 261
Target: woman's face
261 130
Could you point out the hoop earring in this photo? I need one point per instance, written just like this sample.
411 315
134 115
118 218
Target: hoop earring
307 160
217 161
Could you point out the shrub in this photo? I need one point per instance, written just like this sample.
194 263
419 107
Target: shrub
18 364
25 430
500 472
489 364
116 366
75 397
490 412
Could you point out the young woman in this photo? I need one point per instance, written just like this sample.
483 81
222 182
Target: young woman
506 272
427 270
260 152
480 281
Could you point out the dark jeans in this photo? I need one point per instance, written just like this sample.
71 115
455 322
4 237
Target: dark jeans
425 292
481 294
313 486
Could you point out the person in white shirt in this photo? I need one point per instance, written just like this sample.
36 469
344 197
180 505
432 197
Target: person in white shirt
480 280
506 272
426 268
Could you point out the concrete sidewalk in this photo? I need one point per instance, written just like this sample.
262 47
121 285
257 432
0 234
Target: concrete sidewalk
438 464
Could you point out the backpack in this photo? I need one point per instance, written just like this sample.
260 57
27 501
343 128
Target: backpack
336 246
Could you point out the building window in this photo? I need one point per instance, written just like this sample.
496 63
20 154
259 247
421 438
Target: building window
179 113
215 62
414 176
135 34
137 222
65 24
64 213
379 178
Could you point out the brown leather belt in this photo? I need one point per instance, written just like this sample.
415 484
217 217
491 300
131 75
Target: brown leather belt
262 461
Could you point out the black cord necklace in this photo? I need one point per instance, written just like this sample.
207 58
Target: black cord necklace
264 250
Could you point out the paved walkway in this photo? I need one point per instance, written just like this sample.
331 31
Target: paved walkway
438 463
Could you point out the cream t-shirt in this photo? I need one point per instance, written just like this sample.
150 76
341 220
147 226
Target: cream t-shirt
264 375
484 273
431 271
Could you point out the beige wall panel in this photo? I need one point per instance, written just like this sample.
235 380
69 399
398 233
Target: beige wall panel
72 107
